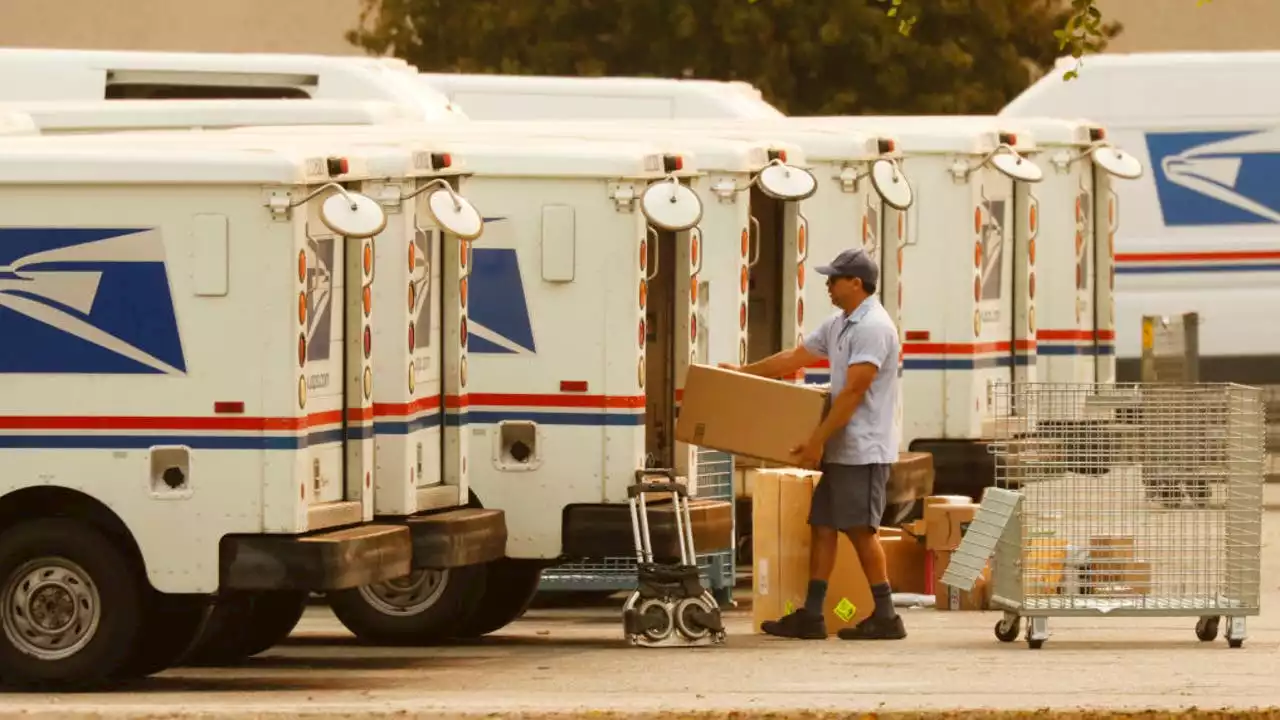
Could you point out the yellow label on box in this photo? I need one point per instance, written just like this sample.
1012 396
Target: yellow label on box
845 609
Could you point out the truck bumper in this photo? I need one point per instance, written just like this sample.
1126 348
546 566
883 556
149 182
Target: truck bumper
320 561
454 538
595 531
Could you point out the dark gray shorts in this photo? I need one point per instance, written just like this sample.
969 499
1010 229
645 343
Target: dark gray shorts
849 496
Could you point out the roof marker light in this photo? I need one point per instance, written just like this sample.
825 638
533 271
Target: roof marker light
778 155
672 163
1097 133
886 145
337 166
1009 139
439 161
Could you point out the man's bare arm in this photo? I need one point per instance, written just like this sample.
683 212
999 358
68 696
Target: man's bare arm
843 405
781 364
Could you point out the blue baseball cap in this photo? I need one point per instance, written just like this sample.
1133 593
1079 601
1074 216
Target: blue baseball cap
852 263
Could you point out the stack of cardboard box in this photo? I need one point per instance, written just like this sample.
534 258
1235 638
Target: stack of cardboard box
946 518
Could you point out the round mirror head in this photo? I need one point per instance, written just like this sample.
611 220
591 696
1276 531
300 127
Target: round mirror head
455 214
891 184
787 182
1017 167
1118 162
671 206
352 215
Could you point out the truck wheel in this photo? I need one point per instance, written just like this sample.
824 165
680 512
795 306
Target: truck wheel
421 608
171 626
510 586
69 606
244 624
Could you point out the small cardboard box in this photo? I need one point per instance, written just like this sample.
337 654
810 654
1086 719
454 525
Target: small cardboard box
949 598
747 415
945 524
905 558
1044 565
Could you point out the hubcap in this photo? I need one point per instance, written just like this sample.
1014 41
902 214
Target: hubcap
50 608
408 595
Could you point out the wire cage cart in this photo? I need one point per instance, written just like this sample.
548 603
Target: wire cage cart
715 482
1122 500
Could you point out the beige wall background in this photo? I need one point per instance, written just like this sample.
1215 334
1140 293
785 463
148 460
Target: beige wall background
318 25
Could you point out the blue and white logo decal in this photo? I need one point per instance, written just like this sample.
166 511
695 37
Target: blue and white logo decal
499 313
1217 178
319 298
423 254
86 300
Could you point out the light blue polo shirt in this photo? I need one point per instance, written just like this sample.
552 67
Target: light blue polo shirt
866 335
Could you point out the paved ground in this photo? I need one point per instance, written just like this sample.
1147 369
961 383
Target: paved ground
569 661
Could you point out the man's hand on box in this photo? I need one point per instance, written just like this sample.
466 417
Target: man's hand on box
808 455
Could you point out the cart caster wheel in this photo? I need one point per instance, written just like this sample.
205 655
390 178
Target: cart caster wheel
1207 629
1007 631
1235 642
1035 644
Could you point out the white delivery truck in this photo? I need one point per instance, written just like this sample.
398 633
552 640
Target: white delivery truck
70 116
187 396
1074 259
1200 232
418 300
960 336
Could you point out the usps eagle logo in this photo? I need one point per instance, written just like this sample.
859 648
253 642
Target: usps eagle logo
86 300
1217 178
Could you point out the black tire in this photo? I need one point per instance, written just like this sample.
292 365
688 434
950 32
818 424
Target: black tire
510 586
171 627
369 613
244 624
111 587
1010 633
1207 628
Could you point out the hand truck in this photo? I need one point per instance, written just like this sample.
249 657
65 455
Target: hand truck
669 606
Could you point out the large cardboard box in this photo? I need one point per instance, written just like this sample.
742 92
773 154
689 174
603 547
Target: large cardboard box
747 415
905 558
780 551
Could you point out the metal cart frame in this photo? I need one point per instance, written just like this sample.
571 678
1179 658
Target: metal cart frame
1121 500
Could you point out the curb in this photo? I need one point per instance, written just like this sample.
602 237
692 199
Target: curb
106 713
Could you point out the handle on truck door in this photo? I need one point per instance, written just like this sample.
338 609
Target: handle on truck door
654 235
755 242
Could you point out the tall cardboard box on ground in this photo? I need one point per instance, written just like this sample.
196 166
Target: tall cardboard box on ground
747 415
780 552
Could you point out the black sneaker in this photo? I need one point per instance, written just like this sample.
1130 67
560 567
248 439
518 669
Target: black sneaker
874 628
799 624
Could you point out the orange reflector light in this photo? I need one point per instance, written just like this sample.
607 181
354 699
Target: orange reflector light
573 386
1031 251
746 242
977 254
462 291
745 280
413 256
644 293
302 308
368 342
412 338
800 311
977 219
693 291
302 266
228 407
801 239
462 332
693 251
1031 285
977 288
642 335
413 296
742 316
800 276
462 248
368 258
693 327
644 254
302 349
367 300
